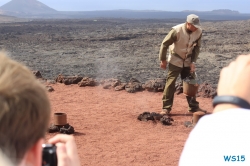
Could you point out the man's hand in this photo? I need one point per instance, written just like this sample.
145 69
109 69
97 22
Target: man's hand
234 81
163 64
192 68
67 154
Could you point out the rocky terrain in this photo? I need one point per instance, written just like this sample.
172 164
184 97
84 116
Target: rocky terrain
116 48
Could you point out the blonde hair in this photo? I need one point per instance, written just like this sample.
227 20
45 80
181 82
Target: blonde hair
24 109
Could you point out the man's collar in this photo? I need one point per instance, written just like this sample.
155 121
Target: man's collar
188 31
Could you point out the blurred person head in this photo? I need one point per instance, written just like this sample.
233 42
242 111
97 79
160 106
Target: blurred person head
24 113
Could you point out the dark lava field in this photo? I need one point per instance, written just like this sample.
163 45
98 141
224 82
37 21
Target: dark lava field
116 48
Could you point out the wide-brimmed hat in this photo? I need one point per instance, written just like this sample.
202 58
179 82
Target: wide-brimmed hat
194 20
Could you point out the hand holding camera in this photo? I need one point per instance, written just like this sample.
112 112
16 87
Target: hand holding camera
62 151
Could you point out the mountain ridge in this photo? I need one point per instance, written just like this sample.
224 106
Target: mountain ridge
26 7
36 9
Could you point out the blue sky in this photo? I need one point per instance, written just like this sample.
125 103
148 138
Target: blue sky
166 5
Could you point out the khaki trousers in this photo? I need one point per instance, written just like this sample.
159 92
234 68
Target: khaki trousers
168 93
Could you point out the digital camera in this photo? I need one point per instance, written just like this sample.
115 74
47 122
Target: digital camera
49 157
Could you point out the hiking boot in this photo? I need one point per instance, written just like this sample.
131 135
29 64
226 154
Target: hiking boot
165 112
196 110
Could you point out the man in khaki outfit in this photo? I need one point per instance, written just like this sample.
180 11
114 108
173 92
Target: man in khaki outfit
183 42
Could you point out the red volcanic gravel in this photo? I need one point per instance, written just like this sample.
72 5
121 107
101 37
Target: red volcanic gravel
108 133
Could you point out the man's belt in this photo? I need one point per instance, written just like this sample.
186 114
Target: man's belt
181 57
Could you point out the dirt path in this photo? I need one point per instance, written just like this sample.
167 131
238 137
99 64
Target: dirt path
108 132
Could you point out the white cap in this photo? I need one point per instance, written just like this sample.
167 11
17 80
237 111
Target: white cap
194 20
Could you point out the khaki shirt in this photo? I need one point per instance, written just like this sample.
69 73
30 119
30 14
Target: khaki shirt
171 39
